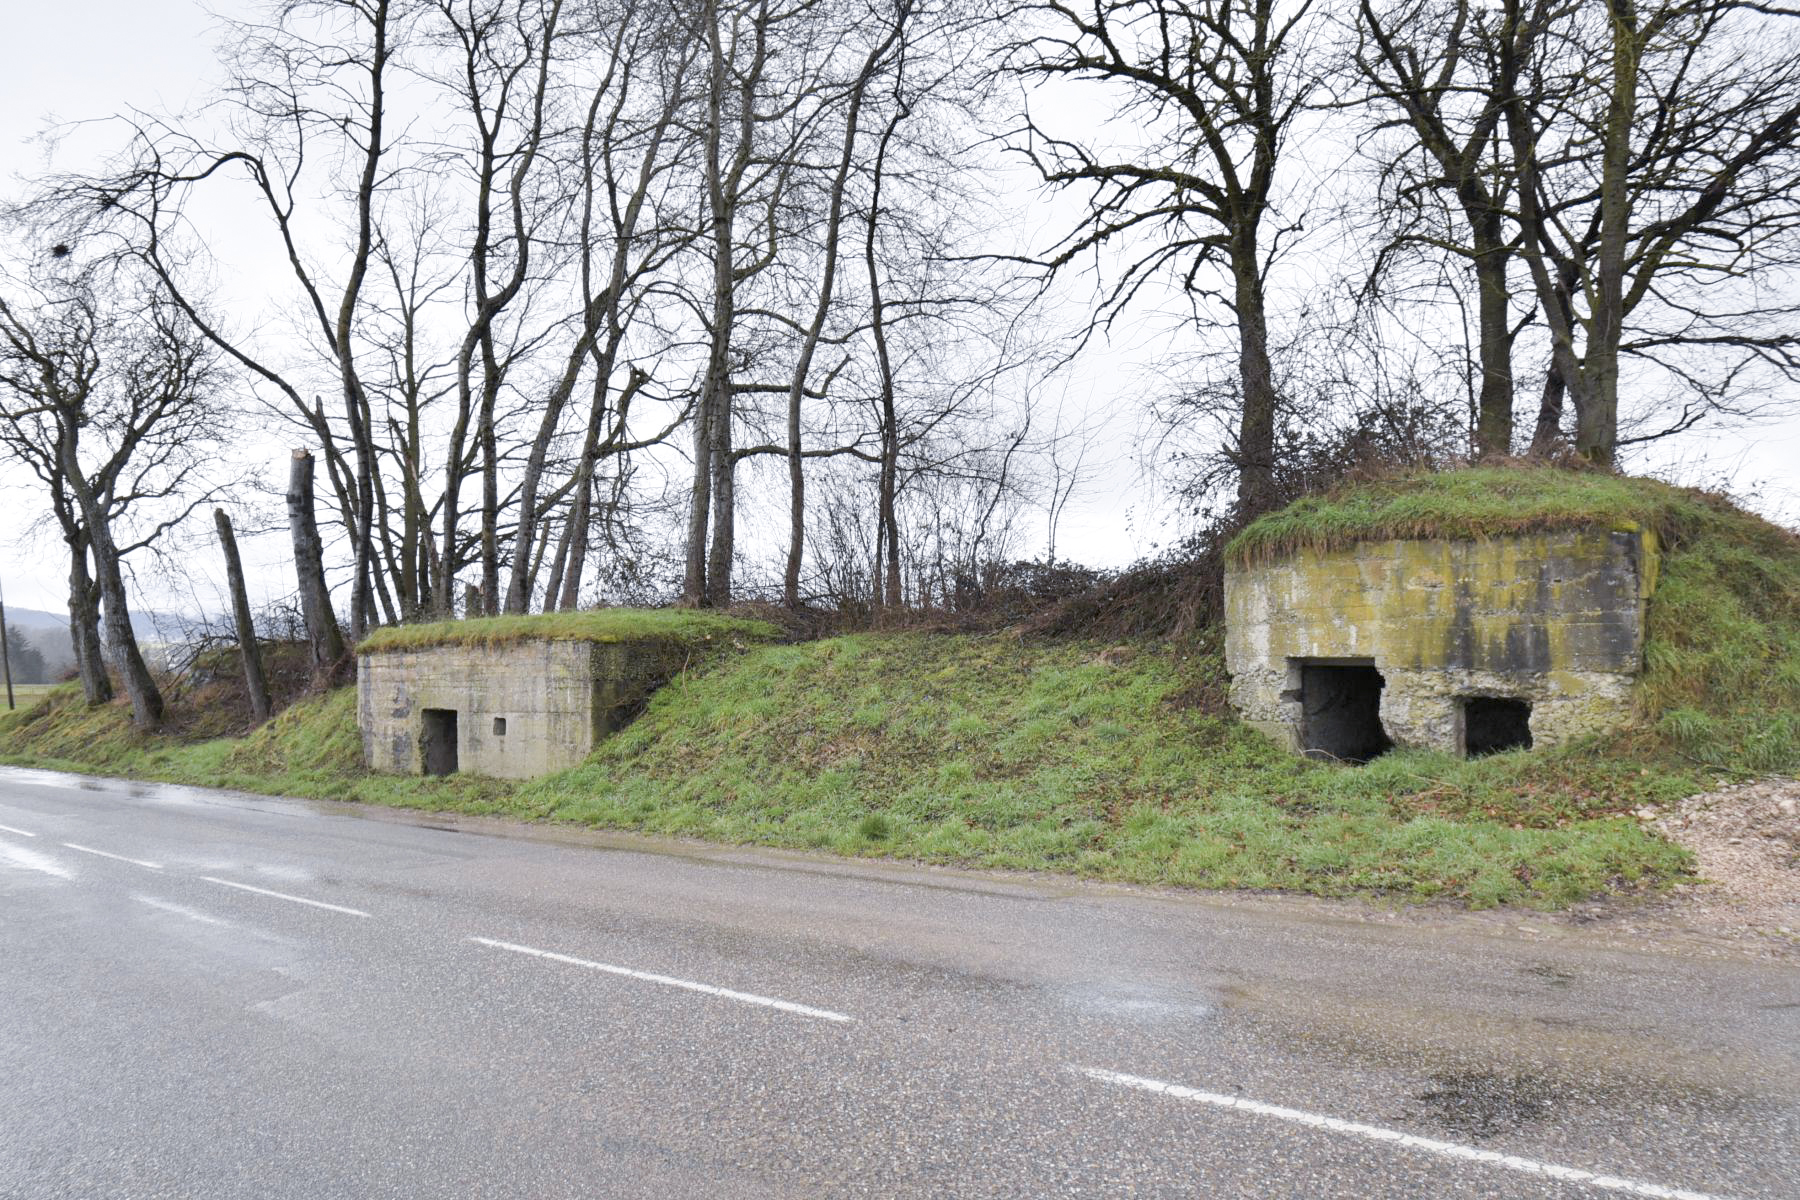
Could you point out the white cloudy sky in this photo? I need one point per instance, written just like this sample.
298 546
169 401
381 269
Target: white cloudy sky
81 59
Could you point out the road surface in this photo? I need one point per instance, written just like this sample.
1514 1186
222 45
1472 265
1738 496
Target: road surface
212 995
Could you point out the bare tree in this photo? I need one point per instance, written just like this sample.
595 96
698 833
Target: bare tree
629 147
1216 87
256 685
1437 75
1658 147
109 394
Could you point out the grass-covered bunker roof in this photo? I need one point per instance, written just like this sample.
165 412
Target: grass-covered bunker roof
1477 503
685 626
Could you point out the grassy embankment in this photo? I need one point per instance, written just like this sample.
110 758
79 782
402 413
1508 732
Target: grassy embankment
992 751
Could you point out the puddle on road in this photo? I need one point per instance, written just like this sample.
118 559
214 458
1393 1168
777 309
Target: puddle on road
1141 1002
1481 1104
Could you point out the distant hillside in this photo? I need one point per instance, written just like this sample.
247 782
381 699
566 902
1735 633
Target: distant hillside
48 633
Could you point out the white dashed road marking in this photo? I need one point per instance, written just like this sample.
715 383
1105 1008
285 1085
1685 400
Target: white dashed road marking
20 832
706 989
136 862
1376 1133
244 887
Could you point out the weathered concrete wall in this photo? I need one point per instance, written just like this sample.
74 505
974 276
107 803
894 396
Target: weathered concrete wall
1556 619
557 699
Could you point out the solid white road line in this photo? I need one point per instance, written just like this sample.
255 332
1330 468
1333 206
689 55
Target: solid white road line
244 887
1376 1133
181 910
31 860
20 832
136 862
706 989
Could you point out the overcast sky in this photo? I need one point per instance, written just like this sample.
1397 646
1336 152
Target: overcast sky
84 59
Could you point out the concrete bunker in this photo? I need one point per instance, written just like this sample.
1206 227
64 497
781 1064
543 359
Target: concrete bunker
1468 646
512 710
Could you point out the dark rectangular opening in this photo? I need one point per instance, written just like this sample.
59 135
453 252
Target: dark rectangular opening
499 726
1340 706
437 743
1492 724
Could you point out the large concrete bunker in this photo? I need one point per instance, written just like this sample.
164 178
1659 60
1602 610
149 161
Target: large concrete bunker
1467 646
511 710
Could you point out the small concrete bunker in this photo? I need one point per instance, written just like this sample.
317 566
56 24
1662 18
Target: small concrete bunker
511 709
1467 646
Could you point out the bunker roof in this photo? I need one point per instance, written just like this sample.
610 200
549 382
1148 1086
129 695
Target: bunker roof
1477 503
681 625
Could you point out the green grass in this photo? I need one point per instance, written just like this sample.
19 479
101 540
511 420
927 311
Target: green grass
989 752
1479 502
687 626
27 694
997 752
986 752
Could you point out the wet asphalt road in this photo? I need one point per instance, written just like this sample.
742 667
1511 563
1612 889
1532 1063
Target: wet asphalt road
474 1015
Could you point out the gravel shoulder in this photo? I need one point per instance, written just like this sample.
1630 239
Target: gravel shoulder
1746 840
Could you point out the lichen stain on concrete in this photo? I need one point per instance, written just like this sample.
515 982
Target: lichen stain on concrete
1553 619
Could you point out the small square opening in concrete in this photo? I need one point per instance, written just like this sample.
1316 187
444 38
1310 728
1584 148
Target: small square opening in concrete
437 740
1494 723
1340 704
499 726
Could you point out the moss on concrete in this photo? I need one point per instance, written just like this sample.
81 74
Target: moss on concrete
1552 618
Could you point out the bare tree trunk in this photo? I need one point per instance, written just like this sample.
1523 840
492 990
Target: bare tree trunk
322 633
490 515
6 656
1550 413
892 594
834 224
254 682
140 687
697 587
888 593
1494 406
724 516
713 467
693 589
1597 402
796 555
84 626
580 516
1256 426
1548 429
559 563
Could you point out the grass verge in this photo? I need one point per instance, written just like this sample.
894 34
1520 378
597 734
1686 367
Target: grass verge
1001 752
987 752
